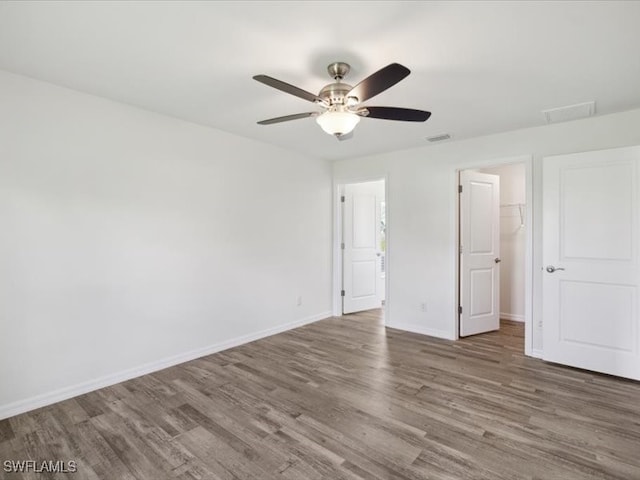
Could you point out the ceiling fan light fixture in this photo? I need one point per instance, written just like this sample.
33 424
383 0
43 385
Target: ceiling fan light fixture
342 103
338 123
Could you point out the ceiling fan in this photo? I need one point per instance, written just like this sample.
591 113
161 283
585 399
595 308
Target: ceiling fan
341 103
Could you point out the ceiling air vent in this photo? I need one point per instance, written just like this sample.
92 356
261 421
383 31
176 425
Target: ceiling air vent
570 112
439 138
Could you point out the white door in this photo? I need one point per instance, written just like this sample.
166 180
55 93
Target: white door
479 253
590 261
362 255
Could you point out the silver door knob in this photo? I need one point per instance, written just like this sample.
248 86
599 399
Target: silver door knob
551 268
497 260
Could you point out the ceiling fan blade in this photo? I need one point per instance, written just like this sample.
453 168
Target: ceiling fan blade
346 136
379 81
395 113
286 118
287 88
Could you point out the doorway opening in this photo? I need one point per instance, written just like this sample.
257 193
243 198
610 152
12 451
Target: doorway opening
361 246
494 272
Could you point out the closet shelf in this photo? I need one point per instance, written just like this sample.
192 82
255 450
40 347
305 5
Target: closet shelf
520 210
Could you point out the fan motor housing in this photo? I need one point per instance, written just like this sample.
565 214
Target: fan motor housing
335 93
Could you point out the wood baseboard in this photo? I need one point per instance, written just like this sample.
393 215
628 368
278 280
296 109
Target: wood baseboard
48 398
512 316
414 328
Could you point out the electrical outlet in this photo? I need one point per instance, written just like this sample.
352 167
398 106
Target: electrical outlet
423 306
299 302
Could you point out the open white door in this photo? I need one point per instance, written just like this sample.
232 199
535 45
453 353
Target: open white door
361 255
479 253
590 257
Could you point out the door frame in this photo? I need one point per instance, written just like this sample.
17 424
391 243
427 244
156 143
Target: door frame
527 160
338 191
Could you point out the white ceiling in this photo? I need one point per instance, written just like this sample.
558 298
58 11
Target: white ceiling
479 67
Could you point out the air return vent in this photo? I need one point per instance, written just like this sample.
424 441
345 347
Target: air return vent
570 112
439 138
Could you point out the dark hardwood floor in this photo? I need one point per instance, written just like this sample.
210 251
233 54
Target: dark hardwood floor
345 398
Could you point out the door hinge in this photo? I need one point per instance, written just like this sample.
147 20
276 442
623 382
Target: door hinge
460 250
459 188
459 310
342 198
342 293
342 245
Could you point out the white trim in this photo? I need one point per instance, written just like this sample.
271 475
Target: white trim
338 191
42 400
528 281
536 353
528 258
512 316
422 330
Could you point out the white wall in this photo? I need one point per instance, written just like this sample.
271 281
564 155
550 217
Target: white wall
421 209
512 239
130 240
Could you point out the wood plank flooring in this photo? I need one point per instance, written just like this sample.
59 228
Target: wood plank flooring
345 398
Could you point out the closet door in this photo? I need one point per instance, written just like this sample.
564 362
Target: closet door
591 273
480 253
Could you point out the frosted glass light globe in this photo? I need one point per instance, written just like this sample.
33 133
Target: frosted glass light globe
339 123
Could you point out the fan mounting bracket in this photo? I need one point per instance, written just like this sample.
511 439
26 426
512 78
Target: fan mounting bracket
338 70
